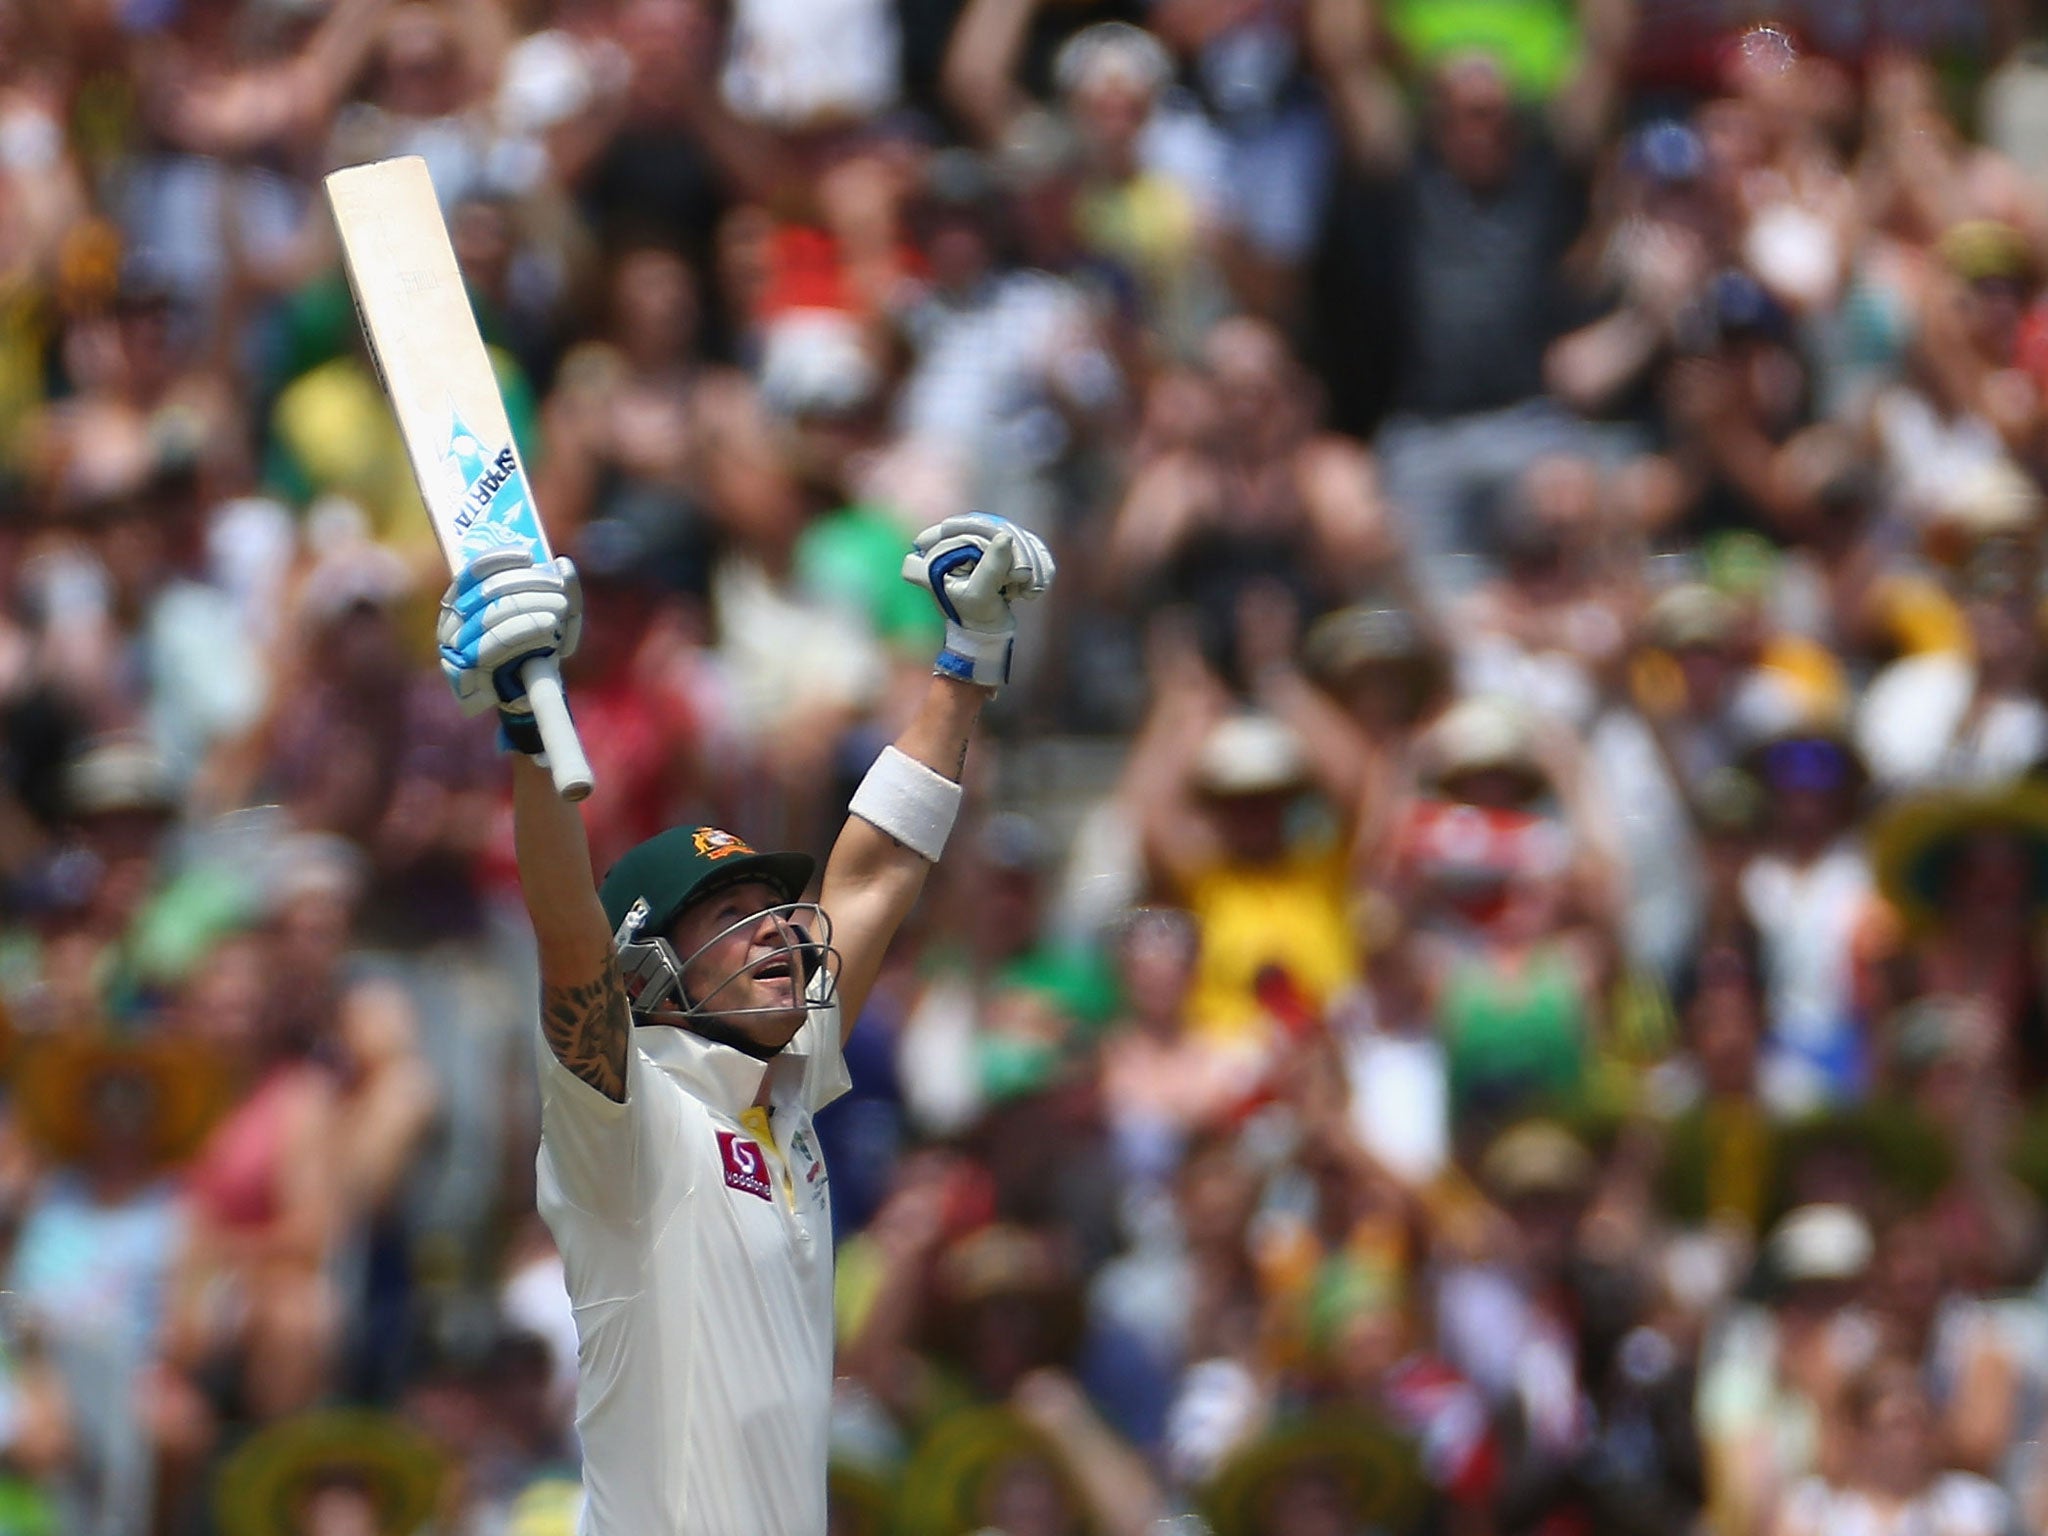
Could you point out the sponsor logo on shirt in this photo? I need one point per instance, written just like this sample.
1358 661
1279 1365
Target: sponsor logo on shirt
807 1158
745 1166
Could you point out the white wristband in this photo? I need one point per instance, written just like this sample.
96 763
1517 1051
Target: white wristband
914 805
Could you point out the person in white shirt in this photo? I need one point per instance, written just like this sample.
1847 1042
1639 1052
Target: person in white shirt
1893 1482
693 1013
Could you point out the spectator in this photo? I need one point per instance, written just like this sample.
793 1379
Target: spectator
1722 1146
1270 907
1006 368
334 1470
1495 982
1132 211
1002 1000
1967 713
1959 871
1892 1469
1772 1376
1260 495
629 417
268 1207
1808 890
428 96
1161 1085
1487 205
93 1258
803 68
1382 665
1522 1291
1967 1368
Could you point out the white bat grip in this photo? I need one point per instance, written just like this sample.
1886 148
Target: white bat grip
571 769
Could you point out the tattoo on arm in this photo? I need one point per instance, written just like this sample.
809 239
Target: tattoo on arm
588 1027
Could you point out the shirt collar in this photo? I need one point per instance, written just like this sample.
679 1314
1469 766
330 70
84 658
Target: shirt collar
726 1079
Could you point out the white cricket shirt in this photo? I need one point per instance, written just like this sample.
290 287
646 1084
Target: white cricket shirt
696 1237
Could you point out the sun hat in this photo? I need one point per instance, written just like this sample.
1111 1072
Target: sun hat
1818 1243
1250 754
1915 843
1537 1157
116 775
262 1483
1693 615
63 1088
1373 1469
1482 733
948 1477
1112 51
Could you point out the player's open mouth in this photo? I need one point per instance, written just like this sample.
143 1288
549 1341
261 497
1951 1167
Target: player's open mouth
773 970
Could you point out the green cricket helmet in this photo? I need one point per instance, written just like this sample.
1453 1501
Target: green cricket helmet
652 885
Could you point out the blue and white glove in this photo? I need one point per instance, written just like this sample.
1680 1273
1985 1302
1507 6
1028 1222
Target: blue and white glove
976 565
500 613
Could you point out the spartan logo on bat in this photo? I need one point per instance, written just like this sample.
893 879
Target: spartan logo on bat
493 491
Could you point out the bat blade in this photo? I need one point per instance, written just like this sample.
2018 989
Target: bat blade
416 315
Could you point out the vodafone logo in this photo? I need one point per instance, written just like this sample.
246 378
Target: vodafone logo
746 1168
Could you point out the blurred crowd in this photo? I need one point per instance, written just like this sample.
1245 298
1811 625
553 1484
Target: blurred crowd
1495 976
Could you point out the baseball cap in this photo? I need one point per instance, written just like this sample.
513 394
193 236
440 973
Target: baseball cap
1112 52
1994 499
674 868
1537 1157
1251 754
1667 152
1742 306
814 363
1481 732
119 774
1976 249
1359 636
1820 1243
1693 615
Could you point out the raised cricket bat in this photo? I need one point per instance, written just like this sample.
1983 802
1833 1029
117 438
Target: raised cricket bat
424 337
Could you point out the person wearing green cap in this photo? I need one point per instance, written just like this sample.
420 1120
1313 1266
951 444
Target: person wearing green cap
693 1011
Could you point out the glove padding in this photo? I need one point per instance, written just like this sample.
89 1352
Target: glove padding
500 613
976 565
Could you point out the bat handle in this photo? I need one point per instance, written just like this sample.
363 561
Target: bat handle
543 680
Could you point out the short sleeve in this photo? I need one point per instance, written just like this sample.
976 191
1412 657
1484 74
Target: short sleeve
595 1148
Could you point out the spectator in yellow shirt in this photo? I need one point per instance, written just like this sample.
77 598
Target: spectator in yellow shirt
1253 846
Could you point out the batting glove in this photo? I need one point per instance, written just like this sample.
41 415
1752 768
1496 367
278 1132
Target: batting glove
975 566
500 613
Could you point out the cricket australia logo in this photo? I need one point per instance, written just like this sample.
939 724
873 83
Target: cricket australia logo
714 844
494 511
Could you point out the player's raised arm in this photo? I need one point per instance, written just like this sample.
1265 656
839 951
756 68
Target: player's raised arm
975 566
501 613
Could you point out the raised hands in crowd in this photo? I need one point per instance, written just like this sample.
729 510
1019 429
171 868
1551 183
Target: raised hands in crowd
1492 974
